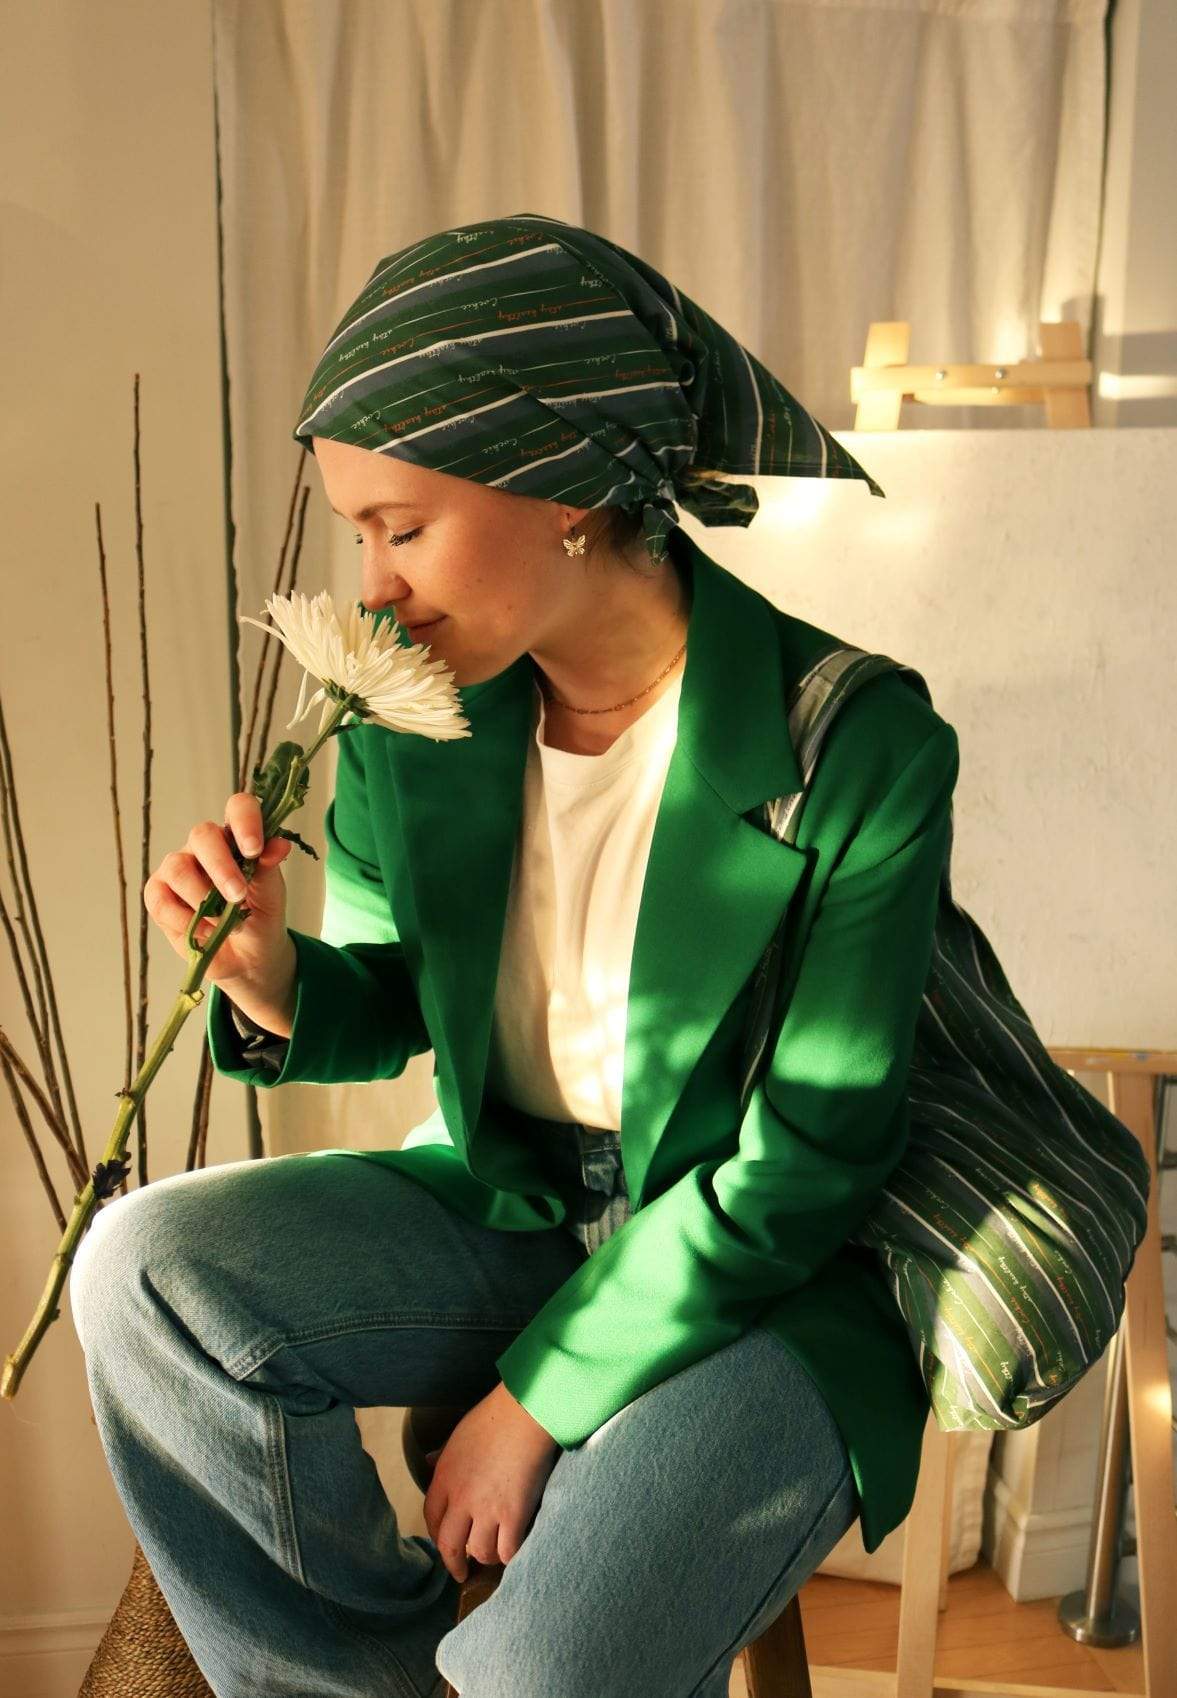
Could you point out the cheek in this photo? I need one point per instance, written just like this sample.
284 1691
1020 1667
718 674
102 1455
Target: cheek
492 586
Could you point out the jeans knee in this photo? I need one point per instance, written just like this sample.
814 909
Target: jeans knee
485 1655
126 1237
97 1269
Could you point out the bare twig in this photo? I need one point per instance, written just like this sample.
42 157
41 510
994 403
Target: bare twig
198 1136
112 748
55 1125
31 1138
296 555
145 848
38 1017
246 760
35 1025
46 995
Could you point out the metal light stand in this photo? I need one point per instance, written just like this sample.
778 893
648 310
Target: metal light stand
1095 1615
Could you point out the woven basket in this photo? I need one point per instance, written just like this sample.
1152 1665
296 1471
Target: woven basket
143 1654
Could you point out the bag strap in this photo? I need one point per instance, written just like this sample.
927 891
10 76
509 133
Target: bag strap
814 701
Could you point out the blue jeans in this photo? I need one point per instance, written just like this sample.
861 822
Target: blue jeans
233 1318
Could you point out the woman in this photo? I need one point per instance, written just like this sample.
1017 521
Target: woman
679 1404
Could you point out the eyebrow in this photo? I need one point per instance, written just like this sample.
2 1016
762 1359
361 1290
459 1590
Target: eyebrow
376 507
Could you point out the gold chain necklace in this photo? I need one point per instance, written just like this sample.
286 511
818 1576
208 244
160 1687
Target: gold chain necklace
548 696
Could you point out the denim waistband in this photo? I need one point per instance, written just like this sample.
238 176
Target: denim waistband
585 1164
585 1156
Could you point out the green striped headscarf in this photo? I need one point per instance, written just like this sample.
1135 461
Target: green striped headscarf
538 358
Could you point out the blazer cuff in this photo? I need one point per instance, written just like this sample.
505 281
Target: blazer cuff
259 1046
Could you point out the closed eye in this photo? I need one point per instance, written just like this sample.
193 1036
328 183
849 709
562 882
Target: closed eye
405 536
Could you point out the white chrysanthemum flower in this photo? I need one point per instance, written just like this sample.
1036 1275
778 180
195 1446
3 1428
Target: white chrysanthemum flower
397 686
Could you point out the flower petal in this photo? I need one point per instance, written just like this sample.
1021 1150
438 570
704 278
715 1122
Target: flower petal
400 688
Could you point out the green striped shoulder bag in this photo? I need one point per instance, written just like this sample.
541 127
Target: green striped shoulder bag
1012 1220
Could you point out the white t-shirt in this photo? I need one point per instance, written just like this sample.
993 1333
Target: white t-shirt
557 1045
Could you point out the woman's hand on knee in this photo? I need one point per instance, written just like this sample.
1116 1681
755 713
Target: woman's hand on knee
488 1482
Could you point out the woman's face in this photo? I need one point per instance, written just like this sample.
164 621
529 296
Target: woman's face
490 564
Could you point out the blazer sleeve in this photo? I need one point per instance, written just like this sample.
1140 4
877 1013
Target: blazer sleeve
356 1014
692 1269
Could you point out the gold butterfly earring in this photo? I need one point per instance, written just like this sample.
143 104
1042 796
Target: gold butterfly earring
576 547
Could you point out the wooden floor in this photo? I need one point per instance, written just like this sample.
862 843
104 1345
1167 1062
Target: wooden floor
983 1633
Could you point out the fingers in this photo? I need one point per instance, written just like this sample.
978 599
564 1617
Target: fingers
209 843
243 818
212 859
448 1529
452 1545
243 826
212 845
243 814
172 915
184 878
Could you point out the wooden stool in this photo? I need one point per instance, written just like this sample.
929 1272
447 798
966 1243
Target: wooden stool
775 1664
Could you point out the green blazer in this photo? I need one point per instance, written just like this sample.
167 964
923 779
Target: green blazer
737 1221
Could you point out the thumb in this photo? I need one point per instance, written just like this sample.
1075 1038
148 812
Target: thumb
267 884
274 853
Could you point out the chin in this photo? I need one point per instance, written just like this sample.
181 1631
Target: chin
477 669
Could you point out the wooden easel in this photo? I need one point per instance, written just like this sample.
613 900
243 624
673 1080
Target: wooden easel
1058 380
924 1592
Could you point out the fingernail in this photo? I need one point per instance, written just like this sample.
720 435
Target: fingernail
236 890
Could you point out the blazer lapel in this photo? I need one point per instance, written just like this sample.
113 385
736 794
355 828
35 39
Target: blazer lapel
459 805
716 883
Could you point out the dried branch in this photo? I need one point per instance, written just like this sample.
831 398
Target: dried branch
145 846
198 1135
296 555
38 1017
31 1137
112 748
22 979
46 995
246 759
52 1120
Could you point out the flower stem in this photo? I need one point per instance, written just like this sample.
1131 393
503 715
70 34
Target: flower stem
109 1170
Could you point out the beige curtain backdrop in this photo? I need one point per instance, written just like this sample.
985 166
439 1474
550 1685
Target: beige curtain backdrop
797 168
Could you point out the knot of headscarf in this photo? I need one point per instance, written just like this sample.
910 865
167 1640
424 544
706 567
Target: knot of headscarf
717 503
540 359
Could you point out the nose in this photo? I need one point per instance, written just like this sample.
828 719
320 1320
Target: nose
377 593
